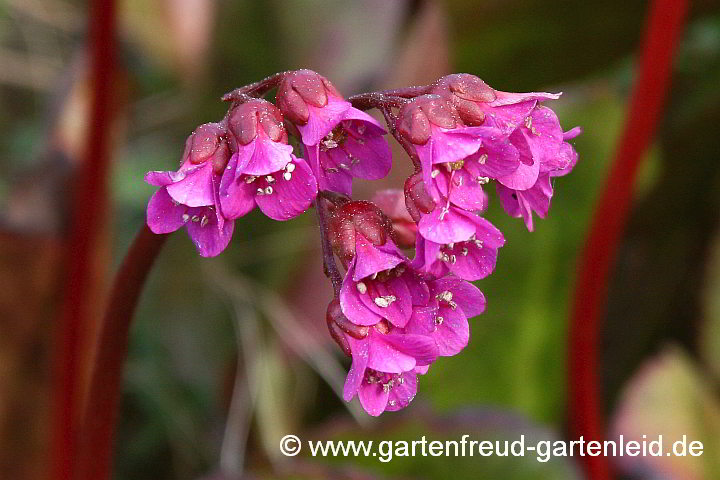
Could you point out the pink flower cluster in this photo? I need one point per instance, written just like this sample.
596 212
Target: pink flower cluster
393 315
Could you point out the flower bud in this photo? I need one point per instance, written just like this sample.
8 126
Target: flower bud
336 316
362 217
465 91
417 199
301 88
246 119
417 116
209 143
392 203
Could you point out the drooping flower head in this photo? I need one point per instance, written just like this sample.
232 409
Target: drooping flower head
189 197
340 141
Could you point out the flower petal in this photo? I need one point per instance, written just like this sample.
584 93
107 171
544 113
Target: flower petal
163 214
292 192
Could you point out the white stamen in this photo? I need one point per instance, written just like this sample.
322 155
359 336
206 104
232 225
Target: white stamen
260 191
287 176
482 180
384 301
453 259
270 179
434 173
185 217
250 179
205 220
439 320
482 158
445 296
451 245
361 287
528 122
464 252
290 167
268 190
195 218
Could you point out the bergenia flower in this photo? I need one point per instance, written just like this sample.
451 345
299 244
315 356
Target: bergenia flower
472 259
445 320
189 197
281 195
340 141
522 203
260 138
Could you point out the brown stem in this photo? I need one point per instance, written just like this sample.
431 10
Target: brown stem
256 89
329 265
101 411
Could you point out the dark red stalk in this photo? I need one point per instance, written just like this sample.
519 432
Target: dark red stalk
662 34
101 410
329 265
89 205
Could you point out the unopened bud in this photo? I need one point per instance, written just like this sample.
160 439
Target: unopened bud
417 116
466 92
417 200
301 88
336 316
247 118
361 217
209 143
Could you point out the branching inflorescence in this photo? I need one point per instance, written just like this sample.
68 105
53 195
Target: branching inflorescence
394 316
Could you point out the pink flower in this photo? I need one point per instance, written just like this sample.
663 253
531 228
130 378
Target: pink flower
260 137
189 197
445 320
340 141
281 195
522 203
472 259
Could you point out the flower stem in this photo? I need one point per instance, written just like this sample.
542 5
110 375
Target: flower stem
329 265
665 22
257 89
101 411
88 216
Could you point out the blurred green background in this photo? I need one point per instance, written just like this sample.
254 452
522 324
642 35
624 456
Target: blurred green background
229 354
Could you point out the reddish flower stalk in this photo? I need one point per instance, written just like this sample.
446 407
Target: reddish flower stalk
87 218
665 22
96 441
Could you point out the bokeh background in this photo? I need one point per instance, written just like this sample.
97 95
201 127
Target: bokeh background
229 354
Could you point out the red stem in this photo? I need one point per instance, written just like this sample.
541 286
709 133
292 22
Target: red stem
101 411
662 34
89 205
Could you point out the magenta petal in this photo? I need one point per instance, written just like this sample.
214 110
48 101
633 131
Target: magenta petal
402 393
453 145
161 178
508 118
446 225
207 237
351 302
508 98
476 264
163 214
420 347
267 157
373 259
396 311
371 159
237 197
292 193
373 398
522 178
328 174
196 189
572 133
359 349
419 291
466 295
466 192
453 332
426 257
360 123
490 235
323 119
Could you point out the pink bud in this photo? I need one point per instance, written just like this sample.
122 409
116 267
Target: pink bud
417 200
362 217
301 88
417 116
246 118
336 316
466 92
